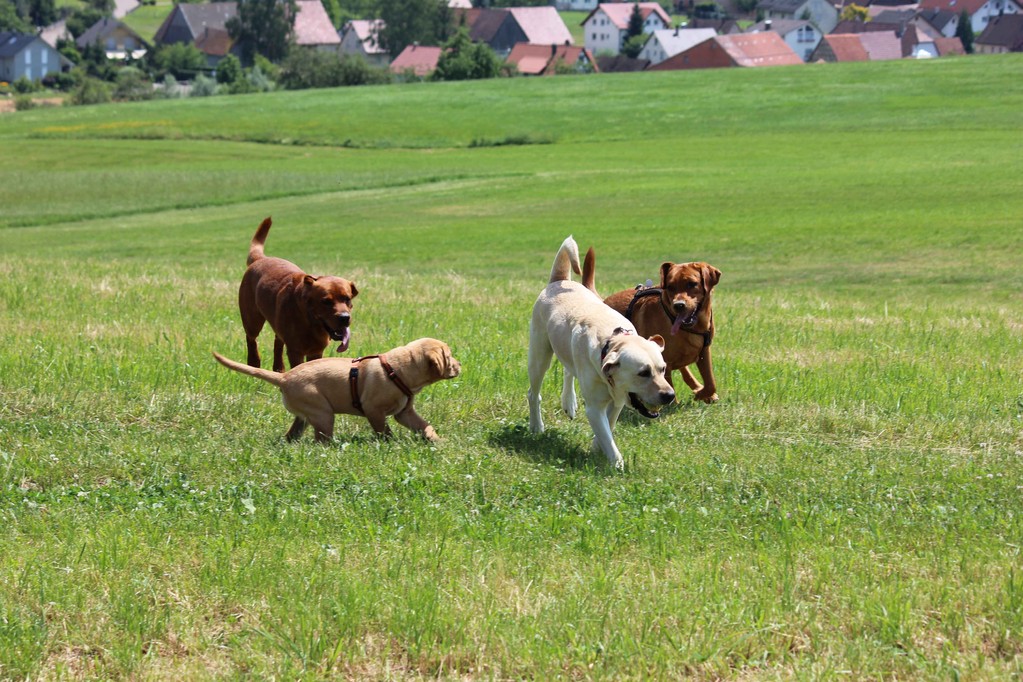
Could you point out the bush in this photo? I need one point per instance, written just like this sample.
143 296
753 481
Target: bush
132 85
203 86
259 81
60 81
463 59
229 70
182 60
24 103
90 91
170 89
23 86
306 68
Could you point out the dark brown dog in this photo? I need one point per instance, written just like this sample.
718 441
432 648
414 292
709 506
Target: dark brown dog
380 386
305 312
680 311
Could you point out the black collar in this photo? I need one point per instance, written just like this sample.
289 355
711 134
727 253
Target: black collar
607 344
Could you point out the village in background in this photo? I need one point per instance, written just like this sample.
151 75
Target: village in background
107 50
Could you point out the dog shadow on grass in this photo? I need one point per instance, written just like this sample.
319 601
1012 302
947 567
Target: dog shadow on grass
551 447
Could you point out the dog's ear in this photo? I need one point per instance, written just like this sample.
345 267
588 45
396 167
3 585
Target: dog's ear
435 356
610 366
665 269
658 340
309 280
355 290
711 276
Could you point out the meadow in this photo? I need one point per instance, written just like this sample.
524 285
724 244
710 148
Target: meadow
850 509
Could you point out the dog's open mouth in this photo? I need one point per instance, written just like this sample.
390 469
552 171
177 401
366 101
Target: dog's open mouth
685 320
344 336
638 405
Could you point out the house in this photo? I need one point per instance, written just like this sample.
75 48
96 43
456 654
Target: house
24 54
859 47
917 45
549 60
576 5
944 21
1003 34
801 35
187 21
118 39
56 32
822 13
460 4
744 49
981 12
606 27
362 38
215 43
504 28
420 60
194 23
669 42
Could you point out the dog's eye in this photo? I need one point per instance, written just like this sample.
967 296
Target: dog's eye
645 373
691 285
325 301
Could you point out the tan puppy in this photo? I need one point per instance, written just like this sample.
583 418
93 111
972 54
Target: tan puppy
680 311
305 312
597 346
376 387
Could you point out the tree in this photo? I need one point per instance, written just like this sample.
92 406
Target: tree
263 27
965 31
463 59
635 22
42 12
182 60
10 20
854 12
634 45
427 22
309 68
229 70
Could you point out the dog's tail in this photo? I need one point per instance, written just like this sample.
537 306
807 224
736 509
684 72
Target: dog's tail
568 257
256 246
589 265
275 378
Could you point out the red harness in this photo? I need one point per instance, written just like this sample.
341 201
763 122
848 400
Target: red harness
353 378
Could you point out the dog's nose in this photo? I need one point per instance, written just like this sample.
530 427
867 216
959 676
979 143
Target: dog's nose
344 319
667 397
678 305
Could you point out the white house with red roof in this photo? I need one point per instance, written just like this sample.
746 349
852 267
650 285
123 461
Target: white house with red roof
606 27
981 12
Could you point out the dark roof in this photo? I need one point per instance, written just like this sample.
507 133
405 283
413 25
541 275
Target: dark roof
198 17
849 26
484 23
938 18
102 28
722 26
619 63
786 6
1004 31
12 43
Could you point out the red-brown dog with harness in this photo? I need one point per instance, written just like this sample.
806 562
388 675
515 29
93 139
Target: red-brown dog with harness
680 310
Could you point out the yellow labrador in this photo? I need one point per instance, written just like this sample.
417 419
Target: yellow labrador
597 346
376 387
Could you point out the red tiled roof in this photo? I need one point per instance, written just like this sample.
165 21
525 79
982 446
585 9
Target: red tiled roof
421 59
882 45
313 25
957 6
846 47
758 49
542 25
543 59
214 42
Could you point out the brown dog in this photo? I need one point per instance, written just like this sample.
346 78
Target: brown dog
305 312
376 387
680 311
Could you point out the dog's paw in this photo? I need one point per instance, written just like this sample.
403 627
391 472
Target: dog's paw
570 409
705 396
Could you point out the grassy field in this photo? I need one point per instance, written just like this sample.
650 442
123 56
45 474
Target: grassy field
849 510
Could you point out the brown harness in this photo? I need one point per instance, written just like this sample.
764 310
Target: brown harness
643 291
353 378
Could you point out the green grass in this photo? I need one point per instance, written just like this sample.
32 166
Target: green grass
849 510
146 19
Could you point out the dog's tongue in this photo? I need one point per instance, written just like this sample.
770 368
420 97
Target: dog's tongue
344 340
677 326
